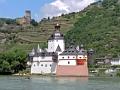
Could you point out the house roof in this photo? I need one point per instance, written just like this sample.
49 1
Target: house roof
44 53
58 49
56 34
73 51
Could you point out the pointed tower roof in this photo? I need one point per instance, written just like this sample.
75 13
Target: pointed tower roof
38 48
32 53
58 49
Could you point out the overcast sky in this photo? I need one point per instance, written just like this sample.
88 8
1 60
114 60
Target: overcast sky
41 8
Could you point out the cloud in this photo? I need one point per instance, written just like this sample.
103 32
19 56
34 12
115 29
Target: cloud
57 7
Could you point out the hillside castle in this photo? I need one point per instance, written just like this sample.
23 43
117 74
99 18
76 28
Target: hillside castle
57 60
26 19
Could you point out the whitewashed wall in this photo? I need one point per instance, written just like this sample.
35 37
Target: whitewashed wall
43 65
67 60
50 45
82 57
53 44
115 62
46 58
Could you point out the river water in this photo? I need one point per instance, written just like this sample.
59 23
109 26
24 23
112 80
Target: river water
58 83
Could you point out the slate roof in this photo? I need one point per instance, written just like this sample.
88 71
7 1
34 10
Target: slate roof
58 49
73 51
44 53
57 36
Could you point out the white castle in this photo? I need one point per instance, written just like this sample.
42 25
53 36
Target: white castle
45 61
56 60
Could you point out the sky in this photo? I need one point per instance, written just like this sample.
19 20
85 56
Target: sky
41 8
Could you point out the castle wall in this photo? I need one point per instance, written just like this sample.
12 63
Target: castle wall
53 44
42 65
60 43
50 46
69 65
72 70
67 60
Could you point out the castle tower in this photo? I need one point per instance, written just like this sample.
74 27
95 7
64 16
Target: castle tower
28 16
56 41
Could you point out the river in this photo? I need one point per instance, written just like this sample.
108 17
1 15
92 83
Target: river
58 83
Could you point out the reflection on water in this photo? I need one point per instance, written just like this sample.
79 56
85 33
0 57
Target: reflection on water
58 83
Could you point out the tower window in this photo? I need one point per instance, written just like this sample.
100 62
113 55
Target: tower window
41 64
68 62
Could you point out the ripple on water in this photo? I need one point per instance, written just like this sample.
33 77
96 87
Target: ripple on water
58 83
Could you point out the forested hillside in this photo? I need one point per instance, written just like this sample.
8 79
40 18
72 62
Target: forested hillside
98 28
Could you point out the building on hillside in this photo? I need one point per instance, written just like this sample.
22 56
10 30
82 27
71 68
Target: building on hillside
45 61
107 61
72 62
25 20
115 61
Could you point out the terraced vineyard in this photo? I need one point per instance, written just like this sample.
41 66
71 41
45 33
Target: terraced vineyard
29 37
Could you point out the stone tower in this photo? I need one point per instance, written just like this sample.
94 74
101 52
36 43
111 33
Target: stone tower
28 16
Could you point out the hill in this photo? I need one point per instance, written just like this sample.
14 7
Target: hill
26 37
99 28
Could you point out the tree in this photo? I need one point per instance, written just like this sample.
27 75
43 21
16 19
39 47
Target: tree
12 61
34 23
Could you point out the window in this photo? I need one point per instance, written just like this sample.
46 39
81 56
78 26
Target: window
79 57
68 62
45 65
63 57
68 57
41 64
50 65
34 65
